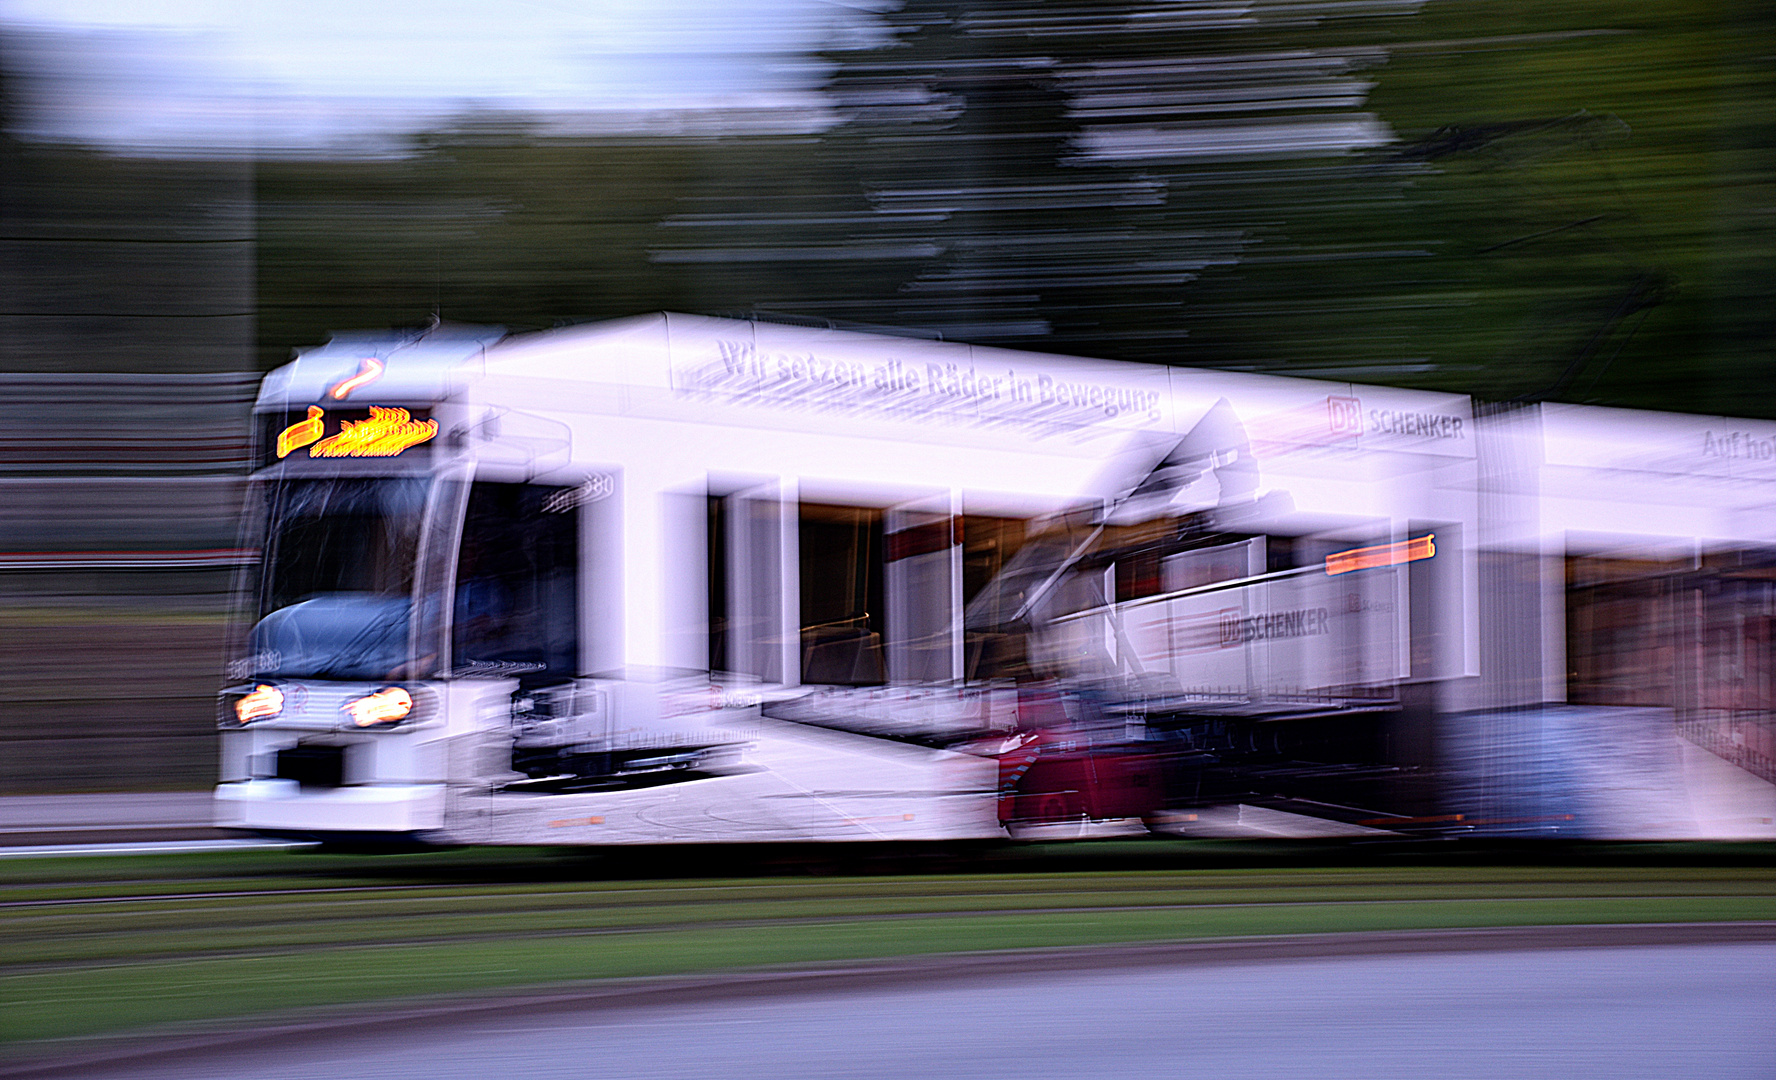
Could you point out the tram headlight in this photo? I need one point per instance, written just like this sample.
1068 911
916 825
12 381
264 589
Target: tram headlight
385 708
262 702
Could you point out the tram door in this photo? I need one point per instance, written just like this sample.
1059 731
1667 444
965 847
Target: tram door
516 611
753 547
924 583
536 603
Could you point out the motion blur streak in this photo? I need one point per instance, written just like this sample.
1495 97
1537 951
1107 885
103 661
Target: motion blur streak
1526 205
688 580
369 373
1343 562
1340 420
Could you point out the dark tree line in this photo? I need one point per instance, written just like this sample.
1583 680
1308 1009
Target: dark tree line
1505 199
1565 201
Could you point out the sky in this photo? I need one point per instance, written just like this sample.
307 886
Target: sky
306 74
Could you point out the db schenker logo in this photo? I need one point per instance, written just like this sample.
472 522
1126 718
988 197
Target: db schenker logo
1344 415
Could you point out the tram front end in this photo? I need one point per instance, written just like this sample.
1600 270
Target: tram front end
339 719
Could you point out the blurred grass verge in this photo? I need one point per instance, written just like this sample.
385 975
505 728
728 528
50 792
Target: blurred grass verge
103 946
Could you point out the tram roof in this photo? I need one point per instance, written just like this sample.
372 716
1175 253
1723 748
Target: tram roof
762 373
424 363
417 364
816 378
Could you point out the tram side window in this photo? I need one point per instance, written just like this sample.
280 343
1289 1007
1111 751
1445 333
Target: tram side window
1206 566
517 584
842 595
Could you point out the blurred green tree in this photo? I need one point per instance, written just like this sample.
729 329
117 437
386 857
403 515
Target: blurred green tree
1514 200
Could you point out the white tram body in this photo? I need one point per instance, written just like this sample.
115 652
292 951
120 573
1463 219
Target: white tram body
677 579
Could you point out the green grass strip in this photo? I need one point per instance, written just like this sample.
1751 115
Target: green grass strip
87 1000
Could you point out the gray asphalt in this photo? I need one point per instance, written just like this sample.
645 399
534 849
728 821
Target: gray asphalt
1657 1011
122 817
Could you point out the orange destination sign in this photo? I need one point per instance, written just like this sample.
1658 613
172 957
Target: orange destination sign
303 432
1368 558
384 433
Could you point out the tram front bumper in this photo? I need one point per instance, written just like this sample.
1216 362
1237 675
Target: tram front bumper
284 806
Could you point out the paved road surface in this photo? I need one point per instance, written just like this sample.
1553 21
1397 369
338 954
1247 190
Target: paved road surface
76 819
1610 1013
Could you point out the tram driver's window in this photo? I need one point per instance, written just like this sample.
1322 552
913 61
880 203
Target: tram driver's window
517 584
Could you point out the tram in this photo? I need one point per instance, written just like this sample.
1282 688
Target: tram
678 579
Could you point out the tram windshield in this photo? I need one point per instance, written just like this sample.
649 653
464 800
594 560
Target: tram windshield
336 578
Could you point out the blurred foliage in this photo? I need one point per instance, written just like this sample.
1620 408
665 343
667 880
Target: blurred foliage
1574 205
1599 191
1574 201
1498 197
